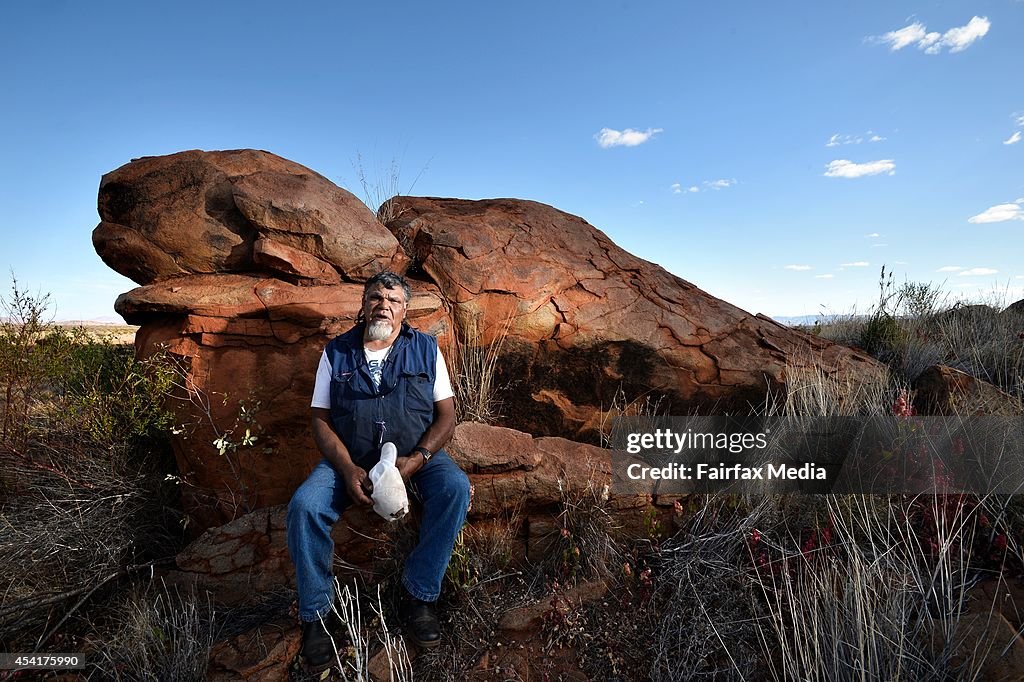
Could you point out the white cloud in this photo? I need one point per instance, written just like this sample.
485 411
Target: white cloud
960 38
957 39
608 137
873 235
930 43
837 139
999 213
950 268
798 268
1014 139
707 185
1020 120
843 168
828 276
977 272
858 264
908 35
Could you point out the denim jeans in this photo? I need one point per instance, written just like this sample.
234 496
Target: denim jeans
318 503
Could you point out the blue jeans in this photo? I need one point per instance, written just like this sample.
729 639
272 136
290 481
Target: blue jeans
318 503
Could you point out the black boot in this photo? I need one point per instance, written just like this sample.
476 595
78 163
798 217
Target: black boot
317 650
419 620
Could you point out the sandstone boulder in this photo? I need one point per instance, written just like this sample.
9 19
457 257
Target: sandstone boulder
199 212
583 323
251 263
942 390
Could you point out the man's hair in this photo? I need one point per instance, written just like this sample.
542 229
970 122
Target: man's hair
388 280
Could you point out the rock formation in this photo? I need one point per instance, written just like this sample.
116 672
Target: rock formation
942 390
250 263
584 323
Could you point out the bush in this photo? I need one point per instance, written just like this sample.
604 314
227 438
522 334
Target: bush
83 460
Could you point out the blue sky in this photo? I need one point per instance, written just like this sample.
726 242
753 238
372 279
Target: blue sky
774 154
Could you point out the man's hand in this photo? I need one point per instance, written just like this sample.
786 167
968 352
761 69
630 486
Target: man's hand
358 485
407 466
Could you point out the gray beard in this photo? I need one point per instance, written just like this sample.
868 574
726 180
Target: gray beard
379 331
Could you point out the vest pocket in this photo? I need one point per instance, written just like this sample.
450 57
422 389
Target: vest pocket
419 392
341 390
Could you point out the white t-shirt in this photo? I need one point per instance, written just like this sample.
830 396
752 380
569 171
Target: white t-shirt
376 359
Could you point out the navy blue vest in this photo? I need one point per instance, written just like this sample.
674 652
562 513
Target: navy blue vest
400 411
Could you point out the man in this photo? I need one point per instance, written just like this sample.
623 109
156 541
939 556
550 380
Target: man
379 382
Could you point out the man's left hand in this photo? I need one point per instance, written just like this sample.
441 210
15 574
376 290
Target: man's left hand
407 466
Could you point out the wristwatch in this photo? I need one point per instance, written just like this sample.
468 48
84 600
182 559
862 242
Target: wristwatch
427 454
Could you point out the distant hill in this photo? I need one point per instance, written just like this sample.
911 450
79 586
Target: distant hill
806 320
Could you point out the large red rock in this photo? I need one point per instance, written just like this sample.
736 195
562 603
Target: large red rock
251 263
236 211
586 323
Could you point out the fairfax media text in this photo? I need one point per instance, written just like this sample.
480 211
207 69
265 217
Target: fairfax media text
726 472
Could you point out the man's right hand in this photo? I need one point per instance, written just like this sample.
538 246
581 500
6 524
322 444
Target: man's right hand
358 485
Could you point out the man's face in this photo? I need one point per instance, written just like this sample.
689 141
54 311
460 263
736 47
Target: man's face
384 310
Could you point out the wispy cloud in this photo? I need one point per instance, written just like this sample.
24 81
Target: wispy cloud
827 276
844 168
1000 213
956 39
607 137
798 268
978 272
1019 120
838 140
857 264
1014 139
873 235
677 188
900 38
950 268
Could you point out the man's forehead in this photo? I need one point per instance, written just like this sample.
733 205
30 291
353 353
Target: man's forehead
386 291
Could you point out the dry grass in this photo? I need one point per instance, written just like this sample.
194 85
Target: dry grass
476 370
157 634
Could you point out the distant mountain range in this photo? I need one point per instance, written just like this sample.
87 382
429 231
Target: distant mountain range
805 320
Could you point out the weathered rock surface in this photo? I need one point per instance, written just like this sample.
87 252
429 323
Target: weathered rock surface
262 654
199 212
586 323
942 390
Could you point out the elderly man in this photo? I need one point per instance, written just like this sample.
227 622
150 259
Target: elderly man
379 382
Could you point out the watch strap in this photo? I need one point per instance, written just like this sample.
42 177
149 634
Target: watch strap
427 454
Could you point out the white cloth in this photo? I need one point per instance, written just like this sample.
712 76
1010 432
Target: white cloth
390 500
322 388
